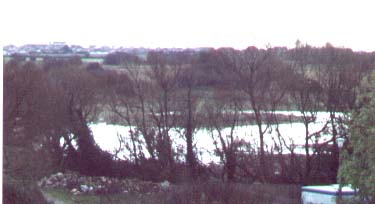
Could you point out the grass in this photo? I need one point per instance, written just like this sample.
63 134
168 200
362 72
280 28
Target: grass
64 196
60 194
88 60
6 59
202 193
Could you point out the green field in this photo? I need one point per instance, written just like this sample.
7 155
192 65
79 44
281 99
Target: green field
6 58
88 60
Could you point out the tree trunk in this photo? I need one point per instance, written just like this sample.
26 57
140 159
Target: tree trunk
307 152
190 156
335 150
230 165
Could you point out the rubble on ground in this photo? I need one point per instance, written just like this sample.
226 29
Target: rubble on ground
78 184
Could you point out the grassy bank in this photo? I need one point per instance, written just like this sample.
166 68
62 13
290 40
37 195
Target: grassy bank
203 193
63 196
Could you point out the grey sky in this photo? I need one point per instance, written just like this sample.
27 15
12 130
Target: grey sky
194 23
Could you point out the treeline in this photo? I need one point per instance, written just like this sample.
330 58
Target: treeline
48 106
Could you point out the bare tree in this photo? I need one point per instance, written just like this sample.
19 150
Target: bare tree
28 124
138 103
339 75
255 73
162 106
123 102
79 95
306 94
188 100
223 111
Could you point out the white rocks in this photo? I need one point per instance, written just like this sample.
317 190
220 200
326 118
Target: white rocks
64 182
74 191
42 182
165 185
49 182
84 188
60 175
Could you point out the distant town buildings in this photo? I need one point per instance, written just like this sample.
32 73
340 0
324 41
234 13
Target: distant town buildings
62 49
57 49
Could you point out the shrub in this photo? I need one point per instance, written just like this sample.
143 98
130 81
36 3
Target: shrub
21 192
357 168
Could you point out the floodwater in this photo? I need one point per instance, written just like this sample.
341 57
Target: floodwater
292 134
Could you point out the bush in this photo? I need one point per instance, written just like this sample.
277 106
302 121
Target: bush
21 192
357 168
94 67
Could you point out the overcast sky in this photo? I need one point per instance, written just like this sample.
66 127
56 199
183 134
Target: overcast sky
193 23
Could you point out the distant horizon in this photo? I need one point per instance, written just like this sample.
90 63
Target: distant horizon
85 45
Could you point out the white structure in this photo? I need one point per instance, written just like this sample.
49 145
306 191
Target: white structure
325 194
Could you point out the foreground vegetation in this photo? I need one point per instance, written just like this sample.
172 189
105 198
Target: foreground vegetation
64 196
203 193
358 158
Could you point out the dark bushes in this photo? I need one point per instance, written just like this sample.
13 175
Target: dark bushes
21 192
